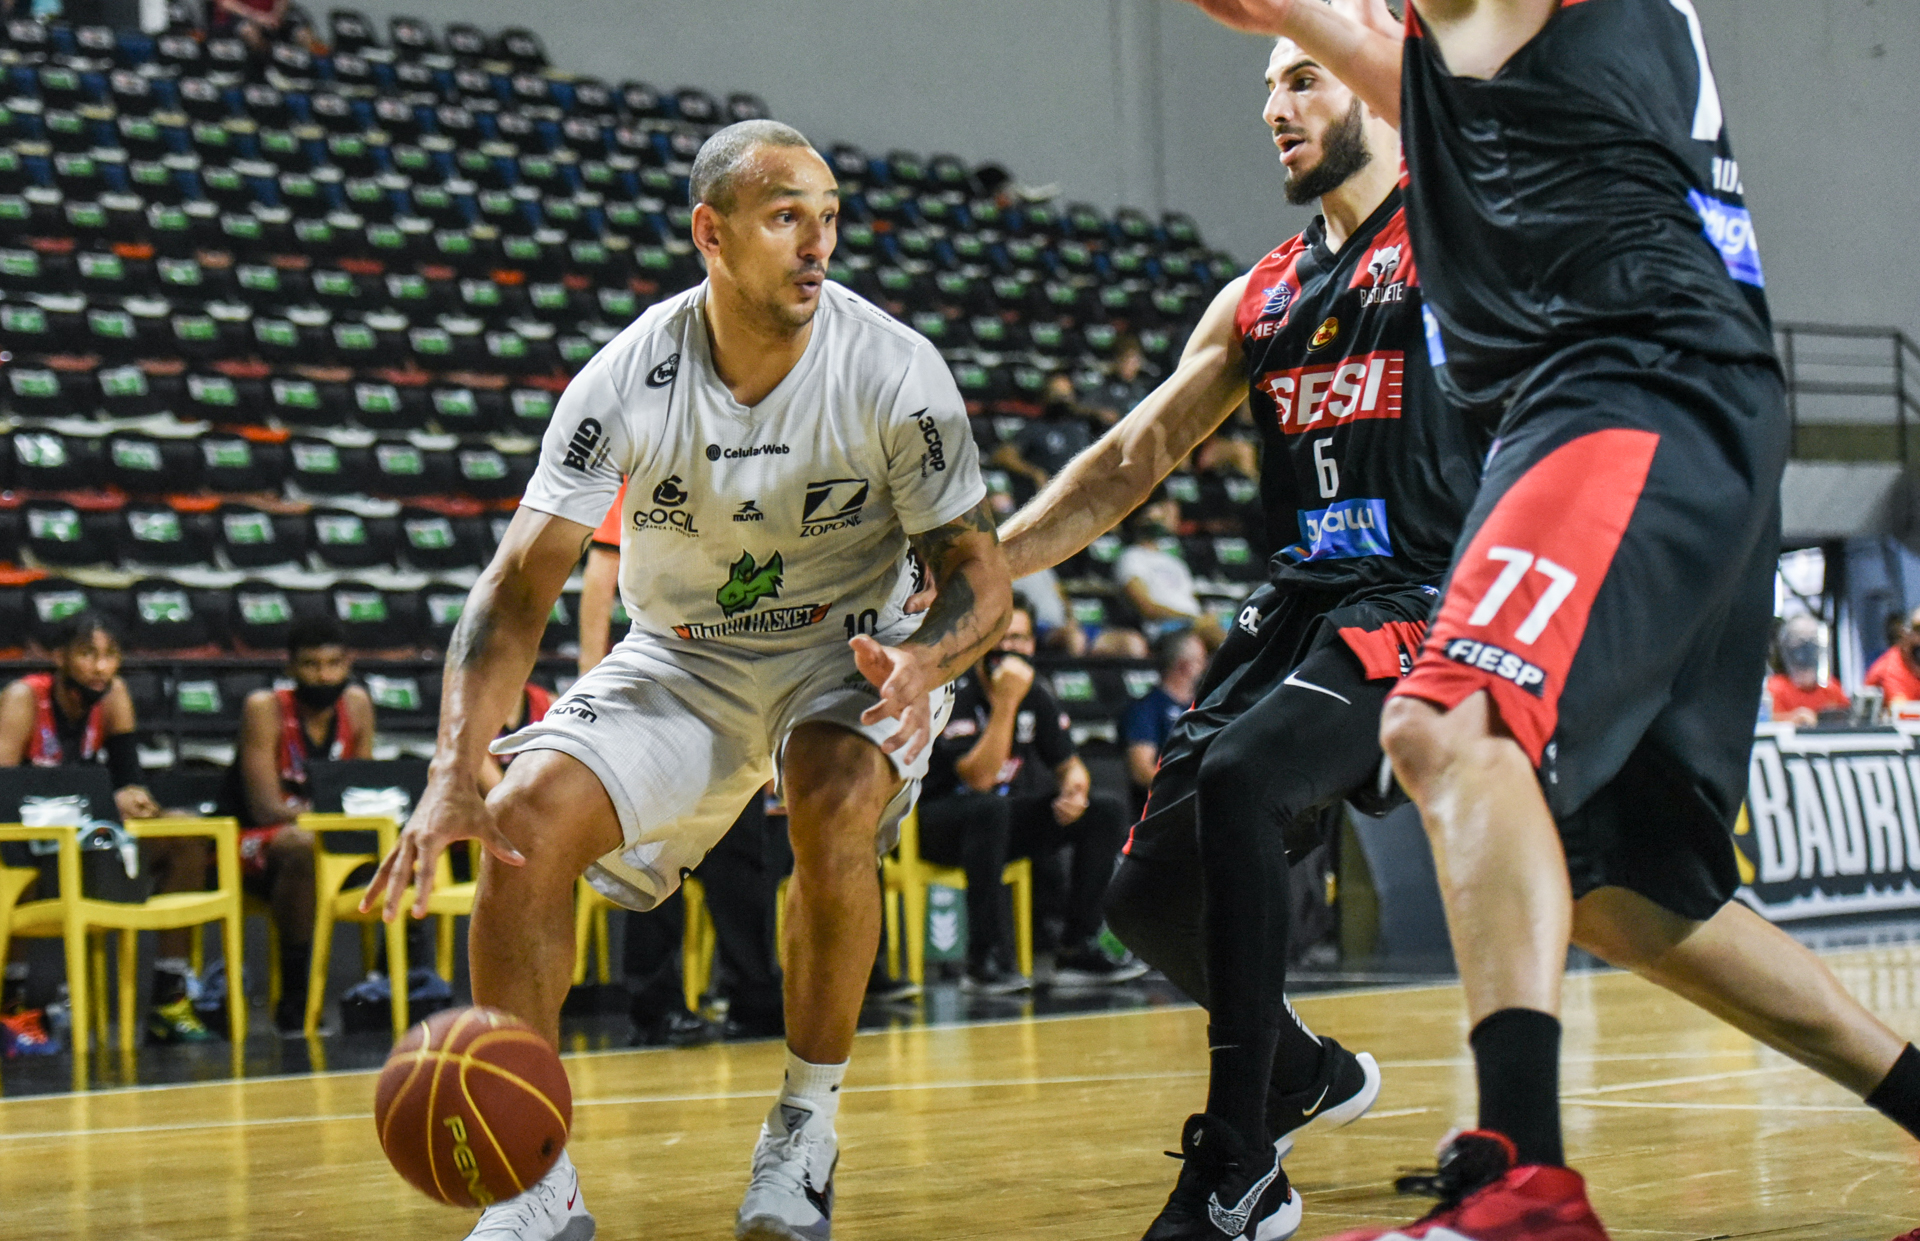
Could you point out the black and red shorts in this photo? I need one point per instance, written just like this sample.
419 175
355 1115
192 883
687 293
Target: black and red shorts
1612 594
1290 704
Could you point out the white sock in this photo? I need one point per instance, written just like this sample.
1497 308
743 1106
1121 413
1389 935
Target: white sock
815 1085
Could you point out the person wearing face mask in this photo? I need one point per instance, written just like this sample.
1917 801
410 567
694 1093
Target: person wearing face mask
1005 782
1046 444
1803 689
1897 672
282 731
81 712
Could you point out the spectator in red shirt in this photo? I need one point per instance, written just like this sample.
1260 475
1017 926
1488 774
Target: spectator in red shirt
1802 691
1897 672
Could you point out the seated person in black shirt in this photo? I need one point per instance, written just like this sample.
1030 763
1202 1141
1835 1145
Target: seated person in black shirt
1045 445
1004 782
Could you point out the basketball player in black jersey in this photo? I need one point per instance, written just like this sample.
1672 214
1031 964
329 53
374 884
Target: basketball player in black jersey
1593 283
1365 482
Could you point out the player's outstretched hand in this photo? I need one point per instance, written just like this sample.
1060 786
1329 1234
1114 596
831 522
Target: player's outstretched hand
442 817
904 683
1268 17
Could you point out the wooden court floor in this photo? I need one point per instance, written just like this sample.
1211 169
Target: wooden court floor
1034 1129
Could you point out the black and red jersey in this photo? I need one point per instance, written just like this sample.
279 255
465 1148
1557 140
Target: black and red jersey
1586 190
1367 475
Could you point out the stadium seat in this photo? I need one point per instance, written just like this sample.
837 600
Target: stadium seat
235 463
341 538
449 535
248 537
329 466
48 460
375 618
262 614
156 534
169 616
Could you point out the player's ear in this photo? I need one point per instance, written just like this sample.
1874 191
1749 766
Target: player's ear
706 230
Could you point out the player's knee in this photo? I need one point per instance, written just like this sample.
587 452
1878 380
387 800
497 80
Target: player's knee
554 810
291 851
1414 736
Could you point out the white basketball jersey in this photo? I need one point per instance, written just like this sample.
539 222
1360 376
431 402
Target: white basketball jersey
774 527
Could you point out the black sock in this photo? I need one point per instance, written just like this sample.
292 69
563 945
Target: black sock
1242 1061
1297 1057
296 960
1516 1052
1897 1097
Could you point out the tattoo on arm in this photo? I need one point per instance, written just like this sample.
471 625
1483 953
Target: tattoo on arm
471 638
952 623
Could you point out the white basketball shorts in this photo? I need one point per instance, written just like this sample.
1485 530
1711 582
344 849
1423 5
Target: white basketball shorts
681 737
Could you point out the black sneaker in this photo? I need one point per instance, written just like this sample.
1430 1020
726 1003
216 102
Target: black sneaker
1228 1190
1346 1087
993 978
679 1028
1090 966
884 989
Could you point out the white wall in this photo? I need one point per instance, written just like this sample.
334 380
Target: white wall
1148 103
1823 98
1121 102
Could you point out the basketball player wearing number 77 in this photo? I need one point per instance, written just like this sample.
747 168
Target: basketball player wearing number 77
787 444
1577 726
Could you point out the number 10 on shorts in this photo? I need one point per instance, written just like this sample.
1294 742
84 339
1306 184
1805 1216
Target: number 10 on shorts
1515 565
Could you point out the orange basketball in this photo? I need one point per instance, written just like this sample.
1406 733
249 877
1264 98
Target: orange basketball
473 1107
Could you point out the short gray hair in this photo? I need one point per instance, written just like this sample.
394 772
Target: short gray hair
716 169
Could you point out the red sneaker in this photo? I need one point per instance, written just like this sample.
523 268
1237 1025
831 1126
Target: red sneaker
1484 1197
1909 1236
22 1034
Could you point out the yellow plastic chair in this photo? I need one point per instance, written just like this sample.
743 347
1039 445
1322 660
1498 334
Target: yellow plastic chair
253 907
591 940
335 902
904 878
78 919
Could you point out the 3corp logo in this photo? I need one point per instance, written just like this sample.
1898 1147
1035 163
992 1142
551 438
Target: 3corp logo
1500 662
579 706
666 513
750 511
934 460
1324 334
833 504
581 448
662 375
748 583
715 452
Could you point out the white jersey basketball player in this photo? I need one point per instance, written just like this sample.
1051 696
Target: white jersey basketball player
786 443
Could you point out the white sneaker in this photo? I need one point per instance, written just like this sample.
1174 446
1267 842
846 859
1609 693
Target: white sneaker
790 1197
551 1211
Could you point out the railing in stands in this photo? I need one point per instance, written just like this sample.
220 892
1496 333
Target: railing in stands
1851 391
